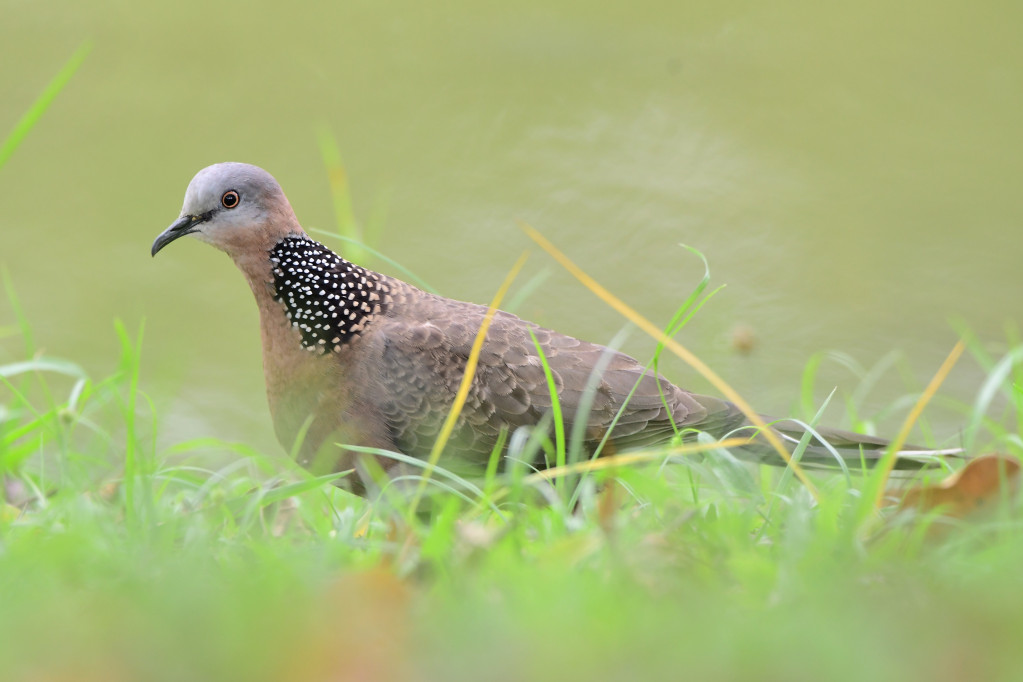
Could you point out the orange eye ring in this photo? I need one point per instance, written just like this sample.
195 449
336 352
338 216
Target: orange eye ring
230 199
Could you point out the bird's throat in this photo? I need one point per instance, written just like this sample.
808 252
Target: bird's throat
327 299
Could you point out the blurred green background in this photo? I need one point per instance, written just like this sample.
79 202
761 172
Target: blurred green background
850 170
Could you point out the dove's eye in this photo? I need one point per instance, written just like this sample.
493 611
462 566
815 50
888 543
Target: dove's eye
230 199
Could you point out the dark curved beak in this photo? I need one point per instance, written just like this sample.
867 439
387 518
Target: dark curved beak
186 224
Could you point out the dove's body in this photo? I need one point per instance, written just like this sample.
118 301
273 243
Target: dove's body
355 357
377 362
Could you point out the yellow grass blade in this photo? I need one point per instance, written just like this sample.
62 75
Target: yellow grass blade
888 462
676 348
463 388
612 461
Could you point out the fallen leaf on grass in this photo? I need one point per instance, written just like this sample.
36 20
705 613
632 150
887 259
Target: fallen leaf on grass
978 485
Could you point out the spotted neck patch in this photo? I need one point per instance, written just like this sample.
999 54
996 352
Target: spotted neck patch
328 299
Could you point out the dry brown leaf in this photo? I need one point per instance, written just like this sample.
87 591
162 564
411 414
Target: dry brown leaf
977 486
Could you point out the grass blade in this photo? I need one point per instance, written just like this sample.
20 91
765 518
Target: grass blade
42 103
467 377
674 347
887 462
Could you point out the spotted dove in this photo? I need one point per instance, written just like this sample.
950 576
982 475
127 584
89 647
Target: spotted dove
355 357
